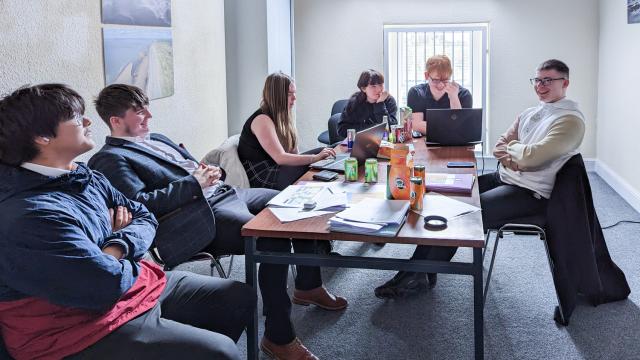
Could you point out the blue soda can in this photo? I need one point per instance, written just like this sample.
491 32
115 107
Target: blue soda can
351 136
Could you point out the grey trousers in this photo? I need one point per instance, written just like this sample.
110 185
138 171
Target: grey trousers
234 209
196 317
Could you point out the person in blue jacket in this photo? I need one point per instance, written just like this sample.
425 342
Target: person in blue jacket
72 280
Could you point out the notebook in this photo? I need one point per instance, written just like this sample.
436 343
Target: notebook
371 216
456 183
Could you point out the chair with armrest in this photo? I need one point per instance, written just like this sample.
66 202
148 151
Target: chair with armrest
330 136
574 242
201 256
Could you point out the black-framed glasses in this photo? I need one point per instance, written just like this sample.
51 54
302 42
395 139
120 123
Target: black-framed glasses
439 81
544 81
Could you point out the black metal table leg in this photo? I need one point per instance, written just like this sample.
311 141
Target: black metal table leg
251 280
478 304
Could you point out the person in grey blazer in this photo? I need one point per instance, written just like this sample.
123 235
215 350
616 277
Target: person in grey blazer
197 211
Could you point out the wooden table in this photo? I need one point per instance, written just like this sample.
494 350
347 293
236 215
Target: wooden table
464 231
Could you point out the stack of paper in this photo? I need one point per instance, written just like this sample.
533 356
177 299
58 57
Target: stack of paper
457 183
371 216
288 204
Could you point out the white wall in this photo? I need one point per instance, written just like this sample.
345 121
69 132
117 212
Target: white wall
335 40
618 99
61 41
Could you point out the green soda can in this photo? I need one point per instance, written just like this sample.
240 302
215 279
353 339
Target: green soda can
371 170
351 169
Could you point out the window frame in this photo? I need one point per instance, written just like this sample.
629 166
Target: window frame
443 28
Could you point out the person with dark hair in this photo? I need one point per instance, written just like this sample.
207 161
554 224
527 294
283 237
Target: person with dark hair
198 211
533 150
368 105
439 92
530 153
268 145
72 280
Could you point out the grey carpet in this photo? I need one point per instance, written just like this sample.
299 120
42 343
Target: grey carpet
438 324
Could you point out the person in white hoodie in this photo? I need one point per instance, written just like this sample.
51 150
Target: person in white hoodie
532 151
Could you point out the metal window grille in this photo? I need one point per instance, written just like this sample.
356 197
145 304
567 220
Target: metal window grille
407 47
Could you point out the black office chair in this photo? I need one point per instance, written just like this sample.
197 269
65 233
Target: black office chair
214 261
330 136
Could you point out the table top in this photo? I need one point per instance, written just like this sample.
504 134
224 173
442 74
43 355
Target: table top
463 231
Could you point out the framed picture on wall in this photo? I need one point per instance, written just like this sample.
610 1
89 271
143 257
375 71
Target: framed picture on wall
145 13
633 11
140 57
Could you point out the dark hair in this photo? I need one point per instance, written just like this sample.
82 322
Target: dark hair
554 64
116 99
367 77
32 111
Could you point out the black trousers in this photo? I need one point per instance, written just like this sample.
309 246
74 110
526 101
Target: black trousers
197 317
287 175
234 209
501 203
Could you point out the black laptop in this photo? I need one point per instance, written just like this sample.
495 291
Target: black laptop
454 127
365 145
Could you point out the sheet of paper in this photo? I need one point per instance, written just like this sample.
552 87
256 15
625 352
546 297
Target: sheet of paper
292 214
376 211
295 196
438 204
338 224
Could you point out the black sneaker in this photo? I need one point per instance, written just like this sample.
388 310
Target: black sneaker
402 284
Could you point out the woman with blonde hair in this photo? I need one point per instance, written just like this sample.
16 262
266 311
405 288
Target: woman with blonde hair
268 146
439 92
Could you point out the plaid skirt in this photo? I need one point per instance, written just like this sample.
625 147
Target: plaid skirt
263 174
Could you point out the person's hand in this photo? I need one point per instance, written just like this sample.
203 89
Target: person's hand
120 217
507 162
323 154
452 88
114 250
383 96
207 175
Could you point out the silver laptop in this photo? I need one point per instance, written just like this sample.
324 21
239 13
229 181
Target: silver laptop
365 145
454 127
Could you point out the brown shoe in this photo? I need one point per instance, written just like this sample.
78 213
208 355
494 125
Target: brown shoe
292 351
320 297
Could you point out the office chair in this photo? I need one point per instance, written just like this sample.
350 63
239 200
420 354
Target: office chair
214 261
330 136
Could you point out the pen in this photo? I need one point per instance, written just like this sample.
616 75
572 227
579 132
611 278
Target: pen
331 191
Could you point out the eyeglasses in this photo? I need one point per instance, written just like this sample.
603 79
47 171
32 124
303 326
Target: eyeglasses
545 81
78 120
439 81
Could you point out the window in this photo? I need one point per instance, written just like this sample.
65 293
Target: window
407 47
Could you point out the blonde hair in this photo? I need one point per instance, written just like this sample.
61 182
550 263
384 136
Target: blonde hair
440 64
275 104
